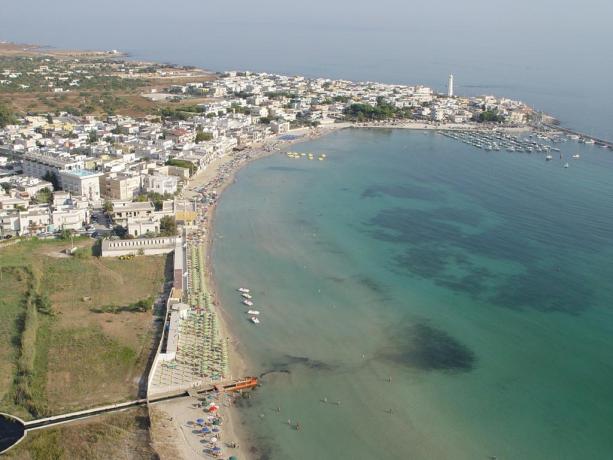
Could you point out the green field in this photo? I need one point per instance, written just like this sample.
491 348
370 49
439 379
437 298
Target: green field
121 435
56 353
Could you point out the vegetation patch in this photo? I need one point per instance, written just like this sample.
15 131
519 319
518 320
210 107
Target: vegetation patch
51 340
119 435
99 359
142 305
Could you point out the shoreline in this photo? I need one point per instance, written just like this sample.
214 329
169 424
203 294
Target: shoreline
218 176
222 173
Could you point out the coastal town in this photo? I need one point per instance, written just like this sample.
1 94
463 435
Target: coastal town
140 175
117 175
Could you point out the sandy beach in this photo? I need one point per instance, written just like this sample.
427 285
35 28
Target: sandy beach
172 436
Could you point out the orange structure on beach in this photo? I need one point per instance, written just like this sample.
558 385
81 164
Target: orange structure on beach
237 385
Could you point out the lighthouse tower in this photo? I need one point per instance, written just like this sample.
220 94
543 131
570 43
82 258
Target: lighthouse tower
450 86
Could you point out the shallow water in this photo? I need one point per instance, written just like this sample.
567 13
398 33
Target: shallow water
11 431
478 282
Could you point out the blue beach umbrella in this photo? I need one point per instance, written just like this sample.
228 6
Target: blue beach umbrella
206 430
200 421
215 430
216 449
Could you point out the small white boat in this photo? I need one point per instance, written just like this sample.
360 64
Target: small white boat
249 303
566 165
548 158
253 312
243 290
576 155
589 141
246 296
255 320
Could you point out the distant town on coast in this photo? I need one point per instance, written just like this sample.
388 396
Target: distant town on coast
111 170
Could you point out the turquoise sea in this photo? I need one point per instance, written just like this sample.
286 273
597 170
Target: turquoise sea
478 282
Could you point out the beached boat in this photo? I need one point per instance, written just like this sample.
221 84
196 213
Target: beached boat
246 296
255 320
244 290
249 303
253 312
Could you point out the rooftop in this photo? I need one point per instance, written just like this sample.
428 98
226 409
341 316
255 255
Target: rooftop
82 173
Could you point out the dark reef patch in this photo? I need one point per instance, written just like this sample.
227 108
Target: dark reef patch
446 245
337 279
285 364
545 290
371 284
434 263
411 191
418 226
423 261
424 347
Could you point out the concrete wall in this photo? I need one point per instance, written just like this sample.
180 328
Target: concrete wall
149 246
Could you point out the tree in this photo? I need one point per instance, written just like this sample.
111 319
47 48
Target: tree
201 136
49 119
65 234
44 196
43 304
6 116
92 137
52 177
168 226
107 207
489 116
156 198
183 164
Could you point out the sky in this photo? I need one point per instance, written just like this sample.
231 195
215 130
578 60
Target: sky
534 50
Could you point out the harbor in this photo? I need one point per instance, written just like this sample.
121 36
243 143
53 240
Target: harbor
551 143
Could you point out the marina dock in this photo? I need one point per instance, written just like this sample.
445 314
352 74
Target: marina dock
572 132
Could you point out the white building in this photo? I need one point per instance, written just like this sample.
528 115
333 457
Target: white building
69 218
39 164
29 185
119 186
81 182
140 227
160 183
450 86
279 127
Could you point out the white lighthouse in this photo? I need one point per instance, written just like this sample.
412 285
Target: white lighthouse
450 86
